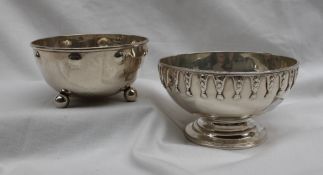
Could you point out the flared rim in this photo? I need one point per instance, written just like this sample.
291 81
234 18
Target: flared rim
240 73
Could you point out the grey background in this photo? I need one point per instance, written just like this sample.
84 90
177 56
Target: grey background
114 137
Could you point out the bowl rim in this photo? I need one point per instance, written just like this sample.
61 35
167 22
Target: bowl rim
95 48
239 73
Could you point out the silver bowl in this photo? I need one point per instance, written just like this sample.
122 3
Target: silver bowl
225 90
92 65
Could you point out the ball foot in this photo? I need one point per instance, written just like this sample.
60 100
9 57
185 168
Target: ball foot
62 100
222 134
130 94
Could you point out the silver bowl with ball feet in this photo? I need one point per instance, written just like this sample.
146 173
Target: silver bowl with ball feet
225 90
92 65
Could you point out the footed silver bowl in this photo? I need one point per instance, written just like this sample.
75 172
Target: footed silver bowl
225 90
92 65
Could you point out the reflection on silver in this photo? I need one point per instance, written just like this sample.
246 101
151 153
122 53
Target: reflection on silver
269 83
245 84
188 83
255 83
94 65
204 82
237 84
177 81
219 86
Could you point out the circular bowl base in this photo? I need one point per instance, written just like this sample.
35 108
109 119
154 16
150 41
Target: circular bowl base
223 135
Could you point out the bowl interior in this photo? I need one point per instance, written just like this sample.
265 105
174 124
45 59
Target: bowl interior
89 41
230 61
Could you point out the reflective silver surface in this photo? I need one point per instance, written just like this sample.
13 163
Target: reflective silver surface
226 89
90 65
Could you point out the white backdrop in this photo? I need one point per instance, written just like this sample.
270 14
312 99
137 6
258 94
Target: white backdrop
115 137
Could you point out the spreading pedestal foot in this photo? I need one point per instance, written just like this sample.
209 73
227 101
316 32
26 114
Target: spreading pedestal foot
225 134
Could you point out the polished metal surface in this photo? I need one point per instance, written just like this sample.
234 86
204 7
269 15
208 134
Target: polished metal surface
130 94
62 100
93 65
226 89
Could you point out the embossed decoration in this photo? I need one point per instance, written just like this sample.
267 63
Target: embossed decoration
162 78
203 82
226 90
282 77
74 56
269 84
90 65
237 84
219 86
119 57
37 54
66 43
255 84
122 55
130 53
169 79
290 79
188 83
177 81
